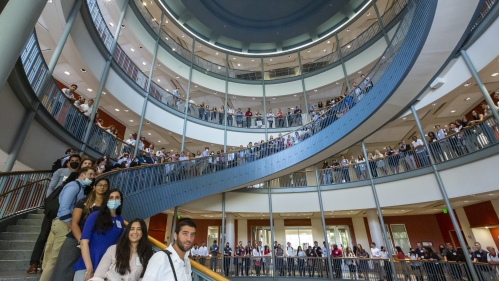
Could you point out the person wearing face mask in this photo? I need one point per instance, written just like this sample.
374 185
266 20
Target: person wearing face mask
102 230
61 174
128 259
70 250
61 225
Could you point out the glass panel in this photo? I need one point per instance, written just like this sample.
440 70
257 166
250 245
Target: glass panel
212 234
400 237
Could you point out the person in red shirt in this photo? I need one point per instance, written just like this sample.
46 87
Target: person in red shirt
337 254
248 115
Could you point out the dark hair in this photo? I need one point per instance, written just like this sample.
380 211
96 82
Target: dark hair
85 170
104 221
74 85
68 150
399 249
144 249
74 156
92 195
184 222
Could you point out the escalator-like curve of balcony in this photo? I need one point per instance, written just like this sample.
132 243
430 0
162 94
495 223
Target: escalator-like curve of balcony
159 187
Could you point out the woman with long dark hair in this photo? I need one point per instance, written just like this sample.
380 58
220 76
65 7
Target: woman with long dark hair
128 259
301 261
102 229
70 253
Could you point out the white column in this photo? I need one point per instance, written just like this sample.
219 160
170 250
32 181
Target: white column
465 226
359 228
169 224
317 232
242 231
495 204
375 228
279 234
229 230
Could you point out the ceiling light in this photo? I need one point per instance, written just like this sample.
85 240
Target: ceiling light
49 1
148 122
144 63
219 67
273 98
252 60
196 86
131 120
337 83
467 84
144 3
348 29
104 93
83 70
177 77
348 46
491 194
167 38
315 90
88 89
67 73
111 24
238 64
233 58
159 80
467 99
434 104
132 50
368 14
149 133
182 35
159 141
328 41
466 201
216 53
126 110
324 50
495 74
308 50
116 109
404 118
452 111
270 59
295 95
173 49
154 19
150 2
253 98
215 93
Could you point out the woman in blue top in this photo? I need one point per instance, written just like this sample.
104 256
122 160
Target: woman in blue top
102 230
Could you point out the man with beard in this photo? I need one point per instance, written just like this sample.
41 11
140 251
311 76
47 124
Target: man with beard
174 261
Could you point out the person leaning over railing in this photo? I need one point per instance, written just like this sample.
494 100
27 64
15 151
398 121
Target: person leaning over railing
230 115
257 261
350 262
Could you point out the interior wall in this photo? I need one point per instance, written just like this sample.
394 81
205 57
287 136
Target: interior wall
157 226
484 236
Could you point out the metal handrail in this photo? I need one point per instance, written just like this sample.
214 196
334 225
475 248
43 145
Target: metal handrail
23 186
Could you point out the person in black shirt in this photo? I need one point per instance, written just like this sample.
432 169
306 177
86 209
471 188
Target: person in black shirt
248 251
297 113
318 262
311 260
432 268
480 256
227 254
449 253
290 117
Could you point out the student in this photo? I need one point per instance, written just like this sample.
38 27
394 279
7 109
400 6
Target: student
128 259
102 229
159 267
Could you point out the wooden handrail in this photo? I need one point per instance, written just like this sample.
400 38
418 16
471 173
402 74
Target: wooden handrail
194 264
22 186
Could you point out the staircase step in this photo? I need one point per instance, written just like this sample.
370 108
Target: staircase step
24 228
37 222
29 236
15 254
14 265
40 211
15 245
36 216
20 275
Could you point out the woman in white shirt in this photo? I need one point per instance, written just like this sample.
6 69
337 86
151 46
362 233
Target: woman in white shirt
301 261
270 118
128 259
230 115
257 261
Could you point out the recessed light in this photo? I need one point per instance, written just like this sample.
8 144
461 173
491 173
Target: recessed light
273 98
348 46
434 104
233 58
148 122
49 1
116 109
452 111
337 83
308 50
289 56
126 110
167 38
144 3
154 19
315 90
238 64
159 141
177 77
111 24
491 194
253 98
123 26
104 93
348 29
150 2
132 49
495 74
404 118
144 63
467 99
173 49
131 120
67 73
159 64
88 89
368 14
467 84
252 60
219 67
295 95
359 72
270 59
234 96
216 53
328 41
182 35
196 86
466 201
149 133
159 80
215 93
83 70
324 50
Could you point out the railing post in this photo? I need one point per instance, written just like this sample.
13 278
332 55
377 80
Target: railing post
264 121
225 103
444 195
104 75
148 87
338 47
321 206
188 93
480 84
172 237
389 247
273 259
382 26
18 141
304 91
58 49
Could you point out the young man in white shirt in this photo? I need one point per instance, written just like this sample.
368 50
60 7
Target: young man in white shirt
86 108
159 267
376 254
290 253
418 146
203 253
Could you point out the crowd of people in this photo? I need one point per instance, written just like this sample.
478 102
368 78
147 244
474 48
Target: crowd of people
355 262
83 236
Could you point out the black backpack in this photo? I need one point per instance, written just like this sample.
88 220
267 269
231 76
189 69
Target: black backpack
57 164
52 202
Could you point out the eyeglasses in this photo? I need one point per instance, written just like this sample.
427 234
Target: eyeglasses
102 185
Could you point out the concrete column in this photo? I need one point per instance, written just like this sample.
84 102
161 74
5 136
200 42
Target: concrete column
495 204
242 231
311 179
20 17
465 226
147 221
229 230
169 223
359 228
375 228
279 234
317 231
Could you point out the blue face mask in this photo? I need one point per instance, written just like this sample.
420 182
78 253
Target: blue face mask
87 181
113 204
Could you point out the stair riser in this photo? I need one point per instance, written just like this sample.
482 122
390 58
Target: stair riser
23 228
36 216
28 236
33 222
14 265
15 255
16 245
35 277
